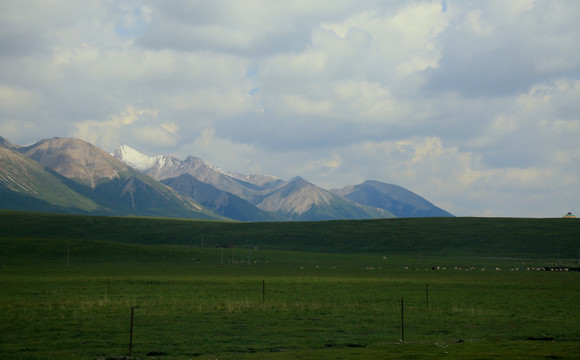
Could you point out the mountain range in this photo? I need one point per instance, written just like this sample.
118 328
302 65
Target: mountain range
72 176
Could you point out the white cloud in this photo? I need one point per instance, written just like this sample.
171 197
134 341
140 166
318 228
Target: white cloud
476 25
171 128
108 134
11 128
16 100
224 153
400 44
300 105
154 135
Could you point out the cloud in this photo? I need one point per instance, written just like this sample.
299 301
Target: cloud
534 126
497 49
171 128
226 154
15 99
134 20
455 180
473 105
397 45
108 134
251 28
154 135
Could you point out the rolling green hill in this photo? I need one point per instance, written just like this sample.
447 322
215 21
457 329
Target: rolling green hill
490 237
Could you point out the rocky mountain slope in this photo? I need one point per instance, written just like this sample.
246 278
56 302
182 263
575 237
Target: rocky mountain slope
219 201
301 200
27 185
295 200
397 200
163 167
87 179
76 159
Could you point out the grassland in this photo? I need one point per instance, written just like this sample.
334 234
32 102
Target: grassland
491 237
68 293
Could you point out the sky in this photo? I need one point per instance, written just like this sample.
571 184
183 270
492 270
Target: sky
474 105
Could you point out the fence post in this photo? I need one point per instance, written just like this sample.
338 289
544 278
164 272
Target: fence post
131 333
402 320
427 294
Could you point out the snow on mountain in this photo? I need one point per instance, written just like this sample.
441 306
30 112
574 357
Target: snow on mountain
166 167
144 162
98 183
296 199
162 167
134 158
215 168
124 183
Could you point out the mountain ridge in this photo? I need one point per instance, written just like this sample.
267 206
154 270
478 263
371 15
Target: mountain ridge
127 182
396 199
221 202
163 167
84 175
301 200
294 200
74 159
24 183
262 191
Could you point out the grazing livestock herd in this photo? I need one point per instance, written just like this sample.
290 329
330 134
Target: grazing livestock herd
473 268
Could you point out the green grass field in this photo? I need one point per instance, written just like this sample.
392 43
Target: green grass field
491 237
70 297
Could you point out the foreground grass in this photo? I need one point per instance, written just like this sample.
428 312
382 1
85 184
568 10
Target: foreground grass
472 350
72 300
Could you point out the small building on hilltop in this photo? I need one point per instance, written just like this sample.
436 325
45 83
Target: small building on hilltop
569 215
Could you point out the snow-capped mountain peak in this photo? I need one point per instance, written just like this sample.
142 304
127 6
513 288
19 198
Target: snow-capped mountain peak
215 168
134 158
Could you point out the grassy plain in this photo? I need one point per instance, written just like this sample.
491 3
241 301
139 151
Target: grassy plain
68 298
492 237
